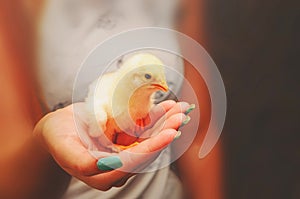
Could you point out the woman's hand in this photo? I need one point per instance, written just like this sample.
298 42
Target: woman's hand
57 131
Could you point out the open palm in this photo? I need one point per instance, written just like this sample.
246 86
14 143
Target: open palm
58 132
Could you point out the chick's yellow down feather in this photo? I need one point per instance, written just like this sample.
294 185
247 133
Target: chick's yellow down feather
118 102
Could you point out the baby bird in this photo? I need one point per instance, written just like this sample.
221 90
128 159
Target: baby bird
118 103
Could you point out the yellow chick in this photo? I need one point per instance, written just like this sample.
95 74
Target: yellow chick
118 103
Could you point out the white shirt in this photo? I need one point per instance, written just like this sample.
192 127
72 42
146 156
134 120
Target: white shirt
70 29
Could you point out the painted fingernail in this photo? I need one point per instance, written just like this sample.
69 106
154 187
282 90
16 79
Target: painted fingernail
192 107
177 135
109 163
187 119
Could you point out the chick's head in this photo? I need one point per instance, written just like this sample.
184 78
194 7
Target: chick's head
145 71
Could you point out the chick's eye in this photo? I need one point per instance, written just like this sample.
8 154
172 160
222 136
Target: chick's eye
147 76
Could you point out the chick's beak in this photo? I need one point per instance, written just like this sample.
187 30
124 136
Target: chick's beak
162 85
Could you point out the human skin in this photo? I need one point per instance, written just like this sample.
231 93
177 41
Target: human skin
202 178
27 167
58 132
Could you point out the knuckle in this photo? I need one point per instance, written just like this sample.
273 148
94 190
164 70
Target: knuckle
102 187
121 182
82 170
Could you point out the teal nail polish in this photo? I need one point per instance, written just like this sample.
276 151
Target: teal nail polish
187 119
109 163
177 135
192 107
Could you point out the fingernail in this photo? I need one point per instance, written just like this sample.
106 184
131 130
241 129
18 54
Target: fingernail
177 135
192 107
187 119
109 163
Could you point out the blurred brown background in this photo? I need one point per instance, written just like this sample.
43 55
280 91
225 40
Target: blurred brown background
255 44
